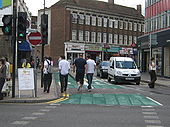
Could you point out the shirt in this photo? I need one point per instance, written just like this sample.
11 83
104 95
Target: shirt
80 64
46 66
152 66
90 66
64 67
3 71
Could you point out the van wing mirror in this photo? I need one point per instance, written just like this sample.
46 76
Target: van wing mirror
112 67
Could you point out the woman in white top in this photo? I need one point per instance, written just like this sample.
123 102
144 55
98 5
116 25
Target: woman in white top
152 73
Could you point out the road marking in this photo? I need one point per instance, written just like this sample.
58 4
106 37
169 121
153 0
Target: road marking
153 126
148 109
147 106
52 107
20 122
29 118
55 104
153 121
38 113
44 110
154 101
149 113
151 117
57 101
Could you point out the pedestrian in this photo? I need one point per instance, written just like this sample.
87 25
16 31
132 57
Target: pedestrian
80 65
64 67
47 74
90 69
2 76
7 64
152 73
26 64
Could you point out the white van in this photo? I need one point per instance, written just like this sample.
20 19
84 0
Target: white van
123 69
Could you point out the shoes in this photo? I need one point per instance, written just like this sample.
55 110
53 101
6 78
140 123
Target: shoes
89 90
79 86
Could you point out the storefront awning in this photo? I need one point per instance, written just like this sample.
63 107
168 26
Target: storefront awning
24 46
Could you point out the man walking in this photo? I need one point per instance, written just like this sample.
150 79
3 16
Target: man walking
152 72
80 64
90 68
64 67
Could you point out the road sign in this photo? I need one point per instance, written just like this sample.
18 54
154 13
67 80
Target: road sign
35 38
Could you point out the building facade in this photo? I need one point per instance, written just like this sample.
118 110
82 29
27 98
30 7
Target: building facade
96 28
156 40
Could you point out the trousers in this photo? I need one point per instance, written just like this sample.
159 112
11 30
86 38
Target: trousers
2 81
47 82
89 78
153 78
64 82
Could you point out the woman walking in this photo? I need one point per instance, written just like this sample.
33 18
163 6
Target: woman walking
2 76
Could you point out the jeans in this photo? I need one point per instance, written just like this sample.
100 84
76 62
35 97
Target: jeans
89 78
153 78
64 82
47 82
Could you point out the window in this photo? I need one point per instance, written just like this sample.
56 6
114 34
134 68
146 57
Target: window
74 18
81 35
81 19
121 24
130 25
134 39
99 21
110 38
87 36
93 37
139 27
120 39
115 24
87 19
111 23
93 21
143 28
105 22
135 26
130 40
125 39
168 18
99 37
115 38
74 35
104 37
125 25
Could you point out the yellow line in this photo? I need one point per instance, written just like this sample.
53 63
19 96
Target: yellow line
58 100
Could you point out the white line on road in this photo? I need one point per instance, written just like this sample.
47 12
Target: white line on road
154 101
38 113
44 110
153 126
153 121
29 118
149 113
52 107
148 109
20 122
151 117
147 106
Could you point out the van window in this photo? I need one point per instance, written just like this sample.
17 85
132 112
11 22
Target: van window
125 64
113 64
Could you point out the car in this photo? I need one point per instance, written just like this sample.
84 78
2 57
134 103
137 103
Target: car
123 69
102 69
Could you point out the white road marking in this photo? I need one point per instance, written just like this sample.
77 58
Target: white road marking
38 113
44 110
29 118
153 121
154 101
69 83
20 122
148 109
55 104
147 106
153 126
52 107
149 113
151 117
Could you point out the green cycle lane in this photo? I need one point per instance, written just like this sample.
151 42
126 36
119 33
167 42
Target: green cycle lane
105 99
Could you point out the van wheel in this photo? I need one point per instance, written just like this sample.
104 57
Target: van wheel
137 83
109 79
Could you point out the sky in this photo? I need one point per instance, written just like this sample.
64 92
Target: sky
35 5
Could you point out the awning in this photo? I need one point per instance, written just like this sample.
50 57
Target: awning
24 46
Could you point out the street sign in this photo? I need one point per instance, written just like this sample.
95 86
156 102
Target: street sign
35 38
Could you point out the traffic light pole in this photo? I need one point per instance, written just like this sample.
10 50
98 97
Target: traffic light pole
14 45
42 57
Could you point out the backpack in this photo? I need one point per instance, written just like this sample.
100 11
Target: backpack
49 69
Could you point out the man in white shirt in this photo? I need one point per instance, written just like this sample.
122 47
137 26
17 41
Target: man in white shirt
90 68
64 67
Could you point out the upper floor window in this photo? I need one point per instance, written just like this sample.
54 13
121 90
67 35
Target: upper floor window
74 18
99 21
74 35
104 37
115 38
135 26
125 40
143 29
110 38
139 27
130 25
120 39
134 39
99 37
105 22
125 25
130 40
81 35
93 37
81 19
121 24
93 20
116 24
87 19
87 36
111 23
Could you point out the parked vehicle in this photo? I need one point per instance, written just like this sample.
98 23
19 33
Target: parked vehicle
102 69
123 69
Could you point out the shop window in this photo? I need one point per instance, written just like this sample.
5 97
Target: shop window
99 37
74 35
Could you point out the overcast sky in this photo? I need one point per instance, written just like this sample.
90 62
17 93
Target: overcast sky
35 5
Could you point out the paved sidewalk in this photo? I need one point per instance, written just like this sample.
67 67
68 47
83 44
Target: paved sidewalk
160 80
26 96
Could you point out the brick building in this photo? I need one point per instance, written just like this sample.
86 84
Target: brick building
101 29
155 41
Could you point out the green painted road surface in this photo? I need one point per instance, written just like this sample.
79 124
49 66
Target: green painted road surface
110 99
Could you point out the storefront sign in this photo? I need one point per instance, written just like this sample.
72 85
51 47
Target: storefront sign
114 49
75 47
93 47
126 51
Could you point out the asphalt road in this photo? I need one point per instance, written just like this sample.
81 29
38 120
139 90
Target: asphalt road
70 115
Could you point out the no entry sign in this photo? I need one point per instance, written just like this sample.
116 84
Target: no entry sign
35 38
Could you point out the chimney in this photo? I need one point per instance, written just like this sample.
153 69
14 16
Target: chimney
111 1
139 8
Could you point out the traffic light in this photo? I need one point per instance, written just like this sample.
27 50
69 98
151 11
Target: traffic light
44 28
7 27
22 26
